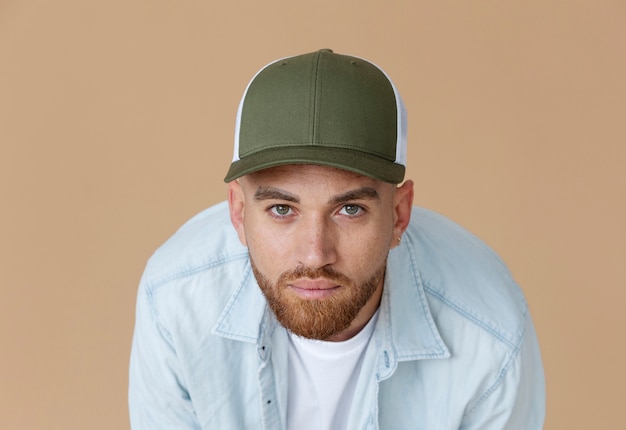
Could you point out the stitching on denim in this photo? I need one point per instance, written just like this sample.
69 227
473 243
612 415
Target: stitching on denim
388 341
227 309
441 348
425 309
155 315
503 371
183 273
153 286
501 336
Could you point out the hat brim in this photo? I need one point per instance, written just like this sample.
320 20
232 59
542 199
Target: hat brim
346 159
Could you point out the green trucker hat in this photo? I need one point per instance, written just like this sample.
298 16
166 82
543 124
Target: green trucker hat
321 108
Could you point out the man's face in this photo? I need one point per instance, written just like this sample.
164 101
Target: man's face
318 239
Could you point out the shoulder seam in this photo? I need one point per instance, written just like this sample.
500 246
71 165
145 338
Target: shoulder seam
505 369
463 312
189 271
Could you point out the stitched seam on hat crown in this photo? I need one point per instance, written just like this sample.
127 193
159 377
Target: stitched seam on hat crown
314 96
321 145
285 145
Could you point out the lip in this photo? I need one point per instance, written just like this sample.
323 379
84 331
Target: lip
314 288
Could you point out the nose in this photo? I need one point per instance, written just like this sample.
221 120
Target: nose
317 242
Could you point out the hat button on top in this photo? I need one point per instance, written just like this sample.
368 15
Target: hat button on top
326 50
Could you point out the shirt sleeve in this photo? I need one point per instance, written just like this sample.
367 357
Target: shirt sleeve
517 399
157 397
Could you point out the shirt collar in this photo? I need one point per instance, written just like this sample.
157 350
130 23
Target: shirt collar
405 325
244 316
411 329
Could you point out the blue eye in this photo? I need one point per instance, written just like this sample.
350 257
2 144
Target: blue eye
280 210
351 210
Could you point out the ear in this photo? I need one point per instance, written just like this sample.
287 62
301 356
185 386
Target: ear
403 204
236 206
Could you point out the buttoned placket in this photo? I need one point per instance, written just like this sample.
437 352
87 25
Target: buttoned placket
380 363
272 375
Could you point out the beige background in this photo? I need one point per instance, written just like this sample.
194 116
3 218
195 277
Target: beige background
116 121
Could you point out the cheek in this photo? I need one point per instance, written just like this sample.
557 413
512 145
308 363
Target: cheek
266 249
365 254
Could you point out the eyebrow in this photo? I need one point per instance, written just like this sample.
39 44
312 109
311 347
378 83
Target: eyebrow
363 193
271 193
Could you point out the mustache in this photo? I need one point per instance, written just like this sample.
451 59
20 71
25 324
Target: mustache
325 272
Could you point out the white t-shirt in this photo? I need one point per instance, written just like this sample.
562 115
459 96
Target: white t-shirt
322 380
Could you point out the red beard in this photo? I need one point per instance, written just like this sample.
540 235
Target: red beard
317 318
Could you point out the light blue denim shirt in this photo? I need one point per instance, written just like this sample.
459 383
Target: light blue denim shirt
454 346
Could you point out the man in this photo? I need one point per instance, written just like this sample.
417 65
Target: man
319 297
